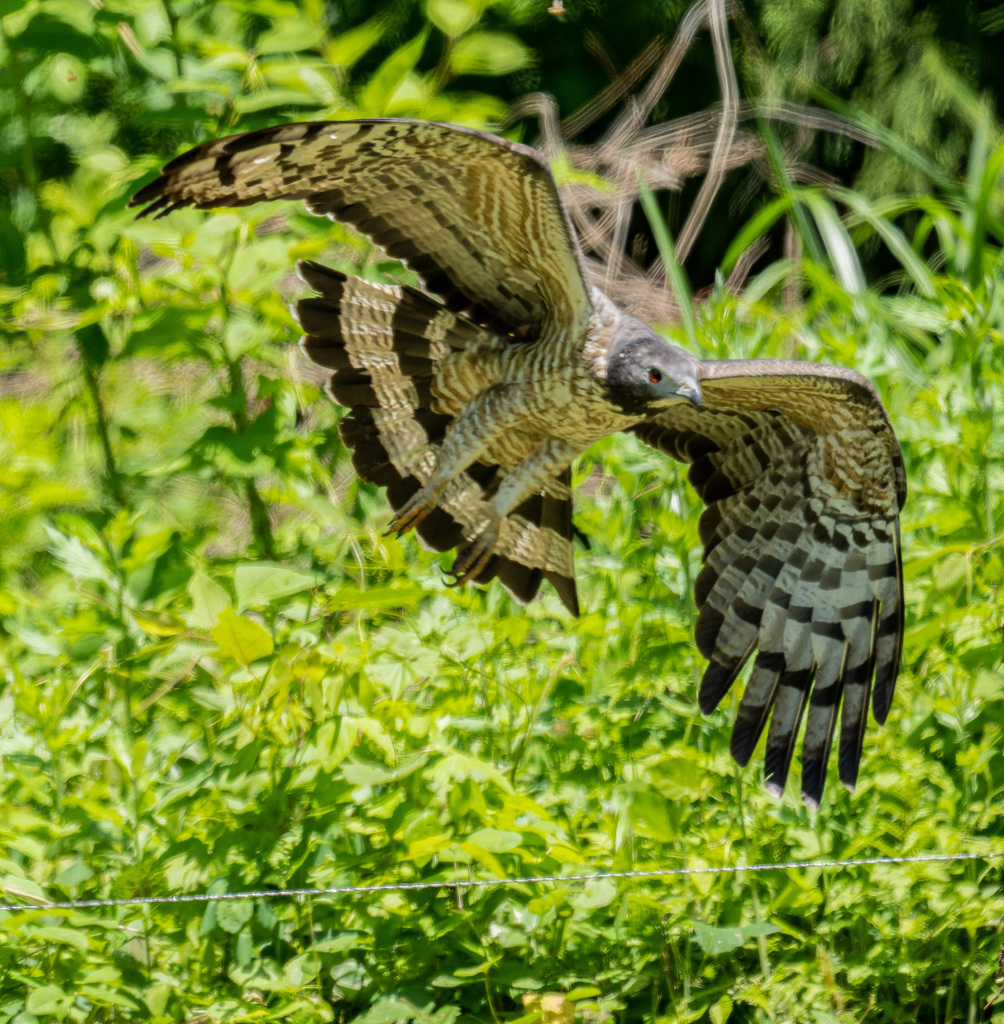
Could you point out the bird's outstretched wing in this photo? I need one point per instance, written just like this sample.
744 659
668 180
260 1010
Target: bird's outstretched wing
478 218
803 479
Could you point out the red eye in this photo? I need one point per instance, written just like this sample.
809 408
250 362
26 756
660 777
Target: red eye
654 375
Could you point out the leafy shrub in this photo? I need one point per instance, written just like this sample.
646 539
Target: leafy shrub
219 676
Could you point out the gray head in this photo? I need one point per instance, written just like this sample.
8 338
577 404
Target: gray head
646 374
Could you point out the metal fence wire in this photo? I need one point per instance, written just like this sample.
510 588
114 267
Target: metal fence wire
482 883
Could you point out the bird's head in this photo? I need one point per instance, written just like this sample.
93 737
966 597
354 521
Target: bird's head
646 374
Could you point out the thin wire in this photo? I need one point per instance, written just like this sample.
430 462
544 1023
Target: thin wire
475 883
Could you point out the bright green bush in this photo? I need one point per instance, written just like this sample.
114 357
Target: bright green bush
218 675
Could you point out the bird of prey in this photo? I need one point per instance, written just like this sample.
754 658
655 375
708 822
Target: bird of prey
470 398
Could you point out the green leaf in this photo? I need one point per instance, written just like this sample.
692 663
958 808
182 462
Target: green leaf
720 1012
566 173
351 46
232 915
674 269
335 739
241 639
452 17
261 974
209 600
65 936
16 887
650 816
104 996
378 735
950 571
839 247
156 996
386 79
49 1000
290 35
893 238
716 941
103 975
488 53
74 874
401 594
78 560
495 840
272 98
259 584
93 344
395 1010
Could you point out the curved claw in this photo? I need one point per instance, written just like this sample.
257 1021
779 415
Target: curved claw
472 559
413 511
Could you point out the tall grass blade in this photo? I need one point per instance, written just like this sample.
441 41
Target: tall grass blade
759 224
982 188
894 239
674 270
803 227
843 257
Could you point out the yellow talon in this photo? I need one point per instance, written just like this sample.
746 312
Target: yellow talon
473 559
413 511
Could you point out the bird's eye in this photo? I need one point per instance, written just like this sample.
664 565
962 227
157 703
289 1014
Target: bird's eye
654 375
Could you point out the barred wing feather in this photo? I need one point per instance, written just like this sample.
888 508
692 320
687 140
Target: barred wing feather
387 346
803 481
478 218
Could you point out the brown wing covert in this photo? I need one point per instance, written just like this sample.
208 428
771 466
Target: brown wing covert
479 219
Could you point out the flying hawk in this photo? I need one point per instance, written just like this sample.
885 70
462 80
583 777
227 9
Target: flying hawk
471 406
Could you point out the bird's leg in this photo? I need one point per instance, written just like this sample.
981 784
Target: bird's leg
529 477
491 412
532 475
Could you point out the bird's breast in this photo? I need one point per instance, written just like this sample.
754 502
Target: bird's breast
554 398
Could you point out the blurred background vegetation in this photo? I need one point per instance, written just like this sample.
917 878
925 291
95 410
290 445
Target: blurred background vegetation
217 675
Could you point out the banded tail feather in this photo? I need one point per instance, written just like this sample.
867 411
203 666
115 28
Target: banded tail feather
388 347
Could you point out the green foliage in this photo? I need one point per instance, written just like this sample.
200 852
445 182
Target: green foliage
916 68
218 675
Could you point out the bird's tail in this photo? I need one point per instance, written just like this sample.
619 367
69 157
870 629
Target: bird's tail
384 344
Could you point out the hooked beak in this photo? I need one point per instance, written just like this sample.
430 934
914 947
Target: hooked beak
692 393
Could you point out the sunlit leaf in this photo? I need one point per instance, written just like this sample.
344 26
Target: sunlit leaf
240 638
495 840
720 1012
232 915
452 17
258 584
291 34
49 1000
388 77
350 46
488 53
716 941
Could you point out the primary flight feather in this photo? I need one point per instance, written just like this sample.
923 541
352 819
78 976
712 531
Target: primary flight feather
471 398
